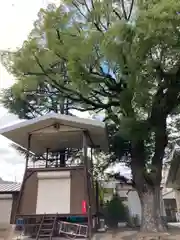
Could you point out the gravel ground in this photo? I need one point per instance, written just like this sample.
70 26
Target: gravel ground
123 234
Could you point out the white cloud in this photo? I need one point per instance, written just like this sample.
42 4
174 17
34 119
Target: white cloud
12 163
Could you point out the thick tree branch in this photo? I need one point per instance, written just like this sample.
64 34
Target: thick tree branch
130 11
160 145
138 164
124 10
74 93
166 97
112 116
117 14
165 100
85 109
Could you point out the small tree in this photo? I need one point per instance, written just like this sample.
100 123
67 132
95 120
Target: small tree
115 211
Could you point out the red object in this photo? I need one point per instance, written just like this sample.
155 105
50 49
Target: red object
84 207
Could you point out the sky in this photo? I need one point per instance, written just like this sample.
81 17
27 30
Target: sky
16 21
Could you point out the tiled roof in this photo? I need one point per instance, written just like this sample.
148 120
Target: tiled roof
10 187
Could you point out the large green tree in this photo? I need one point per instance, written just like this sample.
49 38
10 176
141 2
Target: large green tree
119 58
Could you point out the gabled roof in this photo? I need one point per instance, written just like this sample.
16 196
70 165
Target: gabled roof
57 131
10 187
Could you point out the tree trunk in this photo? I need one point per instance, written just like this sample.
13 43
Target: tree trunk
147 184
151 218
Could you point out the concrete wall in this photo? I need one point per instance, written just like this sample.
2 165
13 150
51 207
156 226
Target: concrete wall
134 204
7 231
177 196
6 201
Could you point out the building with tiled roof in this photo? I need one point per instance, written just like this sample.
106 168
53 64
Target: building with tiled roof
9 192
10 187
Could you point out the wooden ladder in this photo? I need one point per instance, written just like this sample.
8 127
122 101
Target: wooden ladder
46 228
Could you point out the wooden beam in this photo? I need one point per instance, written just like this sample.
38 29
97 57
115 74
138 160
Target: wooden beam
28 150
47 155
97 202
24 177
87 187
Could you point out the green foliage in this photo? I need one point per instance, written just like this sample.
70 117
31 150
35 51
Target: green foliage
115 211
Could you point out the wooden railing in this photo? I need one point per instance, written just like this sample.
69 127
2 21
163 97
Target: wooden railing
53 164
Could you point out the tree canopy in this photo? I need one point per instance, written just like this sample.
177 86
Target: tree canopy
119 58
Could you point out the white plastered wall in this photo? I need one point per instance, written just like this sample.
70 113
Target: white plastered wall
134 204
177 197
53 192
5 208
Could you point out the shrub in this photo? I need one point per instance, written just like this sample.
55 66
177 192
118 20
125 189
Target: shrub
115 211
